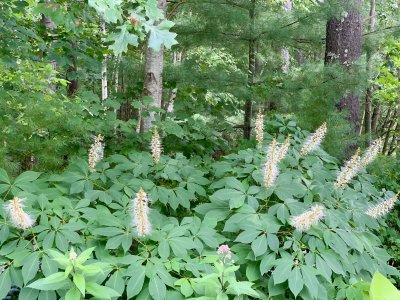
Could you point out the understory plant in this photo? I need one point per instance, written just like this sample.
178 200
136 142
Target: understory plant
142 226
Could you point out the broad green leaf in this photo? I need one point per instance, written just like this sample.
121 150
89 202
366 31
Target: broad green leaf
101 292
73 294
273 242
30 267
247 236
27 176
296 282
28 293
241 288
79 282
122 39
157 288
4 177
382 289
160 35
53 282
259 245
282 270
5 283
135 284
116 282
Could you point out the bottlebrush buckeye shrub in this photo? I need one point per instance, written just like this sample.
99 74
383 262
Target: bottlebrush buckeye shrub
302 237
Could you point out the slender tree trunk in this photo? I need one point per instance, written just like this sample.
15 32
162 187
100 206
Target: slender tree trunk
343 45
388 132
50 26
251 73
287 6
104 82
153 81
73 83
375 118
368 96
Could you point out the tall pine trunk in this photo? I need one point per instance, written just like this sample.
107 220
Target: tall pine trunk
287 6
368 95
251 72
153 81
104 73
343 45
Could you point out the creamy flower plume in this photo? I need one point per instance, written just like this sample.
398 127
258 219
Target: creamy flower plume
156 146
18 217
309 218
350 169
284 148
382 208
141 214
259 126
275 154
371 153
271 170
96 152
314 140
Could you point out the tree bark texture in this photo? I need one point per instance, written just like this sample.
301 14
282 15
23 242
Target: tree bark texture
104 82
287 6
153 81
370 89
251 73
343 45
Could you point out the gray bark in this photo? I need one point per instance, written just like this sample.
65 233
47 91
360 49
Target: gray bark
251 73
104 82
287 6
153 81
368 96
343 45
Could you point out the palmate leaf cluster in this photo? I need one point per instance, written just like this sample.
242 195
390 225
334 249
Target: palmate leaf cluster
194 207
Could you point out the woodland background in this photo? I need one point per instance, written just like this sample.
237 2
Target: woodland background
199 71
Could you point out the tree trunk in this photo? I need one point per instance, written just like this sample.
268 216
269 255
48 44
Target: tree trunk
73 83
104 82
50 26
153 81
343 45
287 6
375 118
251 73
368 96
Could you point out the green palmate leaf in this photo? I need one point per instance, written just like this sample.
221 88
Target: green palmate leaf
273 242
4 177
122 39
333 262
30 267
116 282
28 293
382 289
160 35
53 282
259 245
85 255
310 280
247 236
5 283
80 283
47 295
282 270
242 288
27 176
163 249
101 292
157 288
296 282
135 284
73 294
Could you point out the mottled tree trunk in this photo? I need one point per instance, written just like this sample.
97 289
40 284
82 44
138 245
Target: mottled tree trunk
369 92
343 45
73 83
50 26
104 82
153 81
287 6
251 73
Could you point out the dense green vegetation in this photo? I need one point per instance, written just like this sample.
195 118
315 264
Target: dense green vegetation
221 149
